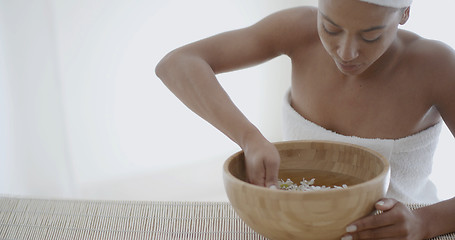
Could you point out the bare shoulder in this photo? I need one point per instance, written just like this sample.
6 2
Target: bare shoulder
300 14
291 28
431 56
433 63
276 34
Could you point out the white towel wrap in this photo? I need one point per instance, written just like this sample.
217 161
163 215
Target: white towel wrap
390 3
411 158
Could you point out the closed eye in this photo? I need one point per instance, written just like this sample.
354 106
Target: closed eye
371 37
371 40
329 31
373 34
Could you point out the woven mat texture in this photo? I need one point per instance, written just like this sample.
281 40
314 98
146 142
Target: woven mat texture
22 218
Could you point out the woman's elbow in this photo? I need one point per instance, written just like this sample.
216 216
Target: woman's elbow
163 65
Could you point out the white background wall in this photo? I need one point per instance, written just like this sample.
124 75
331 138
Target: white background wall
83 115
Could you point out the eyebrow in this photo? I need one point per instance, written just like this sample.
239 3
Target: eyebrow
366 30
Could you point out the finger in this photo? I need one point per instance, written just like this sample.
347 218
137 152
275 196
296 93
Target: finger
271 172
257 180
388 232
349 237
370 222
256 175
386 204
375 219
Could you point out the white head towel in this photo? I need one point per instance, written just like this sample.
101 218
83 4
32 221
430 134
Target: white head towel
390 3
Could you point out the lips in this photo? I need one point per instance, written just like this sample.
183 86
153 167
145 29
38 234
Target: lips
348 67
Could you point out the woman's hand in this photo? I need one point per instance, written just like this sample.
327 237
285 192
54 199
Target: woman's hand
396 222
262 162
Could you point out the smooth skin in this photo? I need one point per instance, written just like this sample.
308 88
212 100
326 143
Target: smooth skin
353 72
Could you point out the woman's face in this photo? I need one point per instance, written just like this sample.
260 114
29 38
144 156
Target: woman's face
355 33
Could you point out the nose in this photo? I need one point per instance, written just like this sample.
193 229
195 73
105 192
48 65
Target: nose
348 49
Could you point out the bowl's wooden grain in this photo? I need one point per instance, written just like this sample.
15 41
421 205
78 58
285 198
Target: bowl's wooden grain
279 214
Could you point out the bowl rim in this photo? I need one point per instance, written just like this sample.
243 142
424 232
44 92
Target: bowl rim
383 173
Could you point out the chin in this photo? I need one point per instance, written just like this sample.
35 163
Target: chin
351 70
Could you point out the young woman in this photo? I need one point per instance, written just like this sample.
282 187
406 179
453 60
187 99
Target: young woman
355 77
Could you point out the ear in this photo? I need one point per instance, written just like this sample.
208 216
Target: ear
405 15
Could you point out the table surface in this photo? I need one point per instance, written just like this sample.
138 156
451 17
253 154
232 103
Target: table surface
27 218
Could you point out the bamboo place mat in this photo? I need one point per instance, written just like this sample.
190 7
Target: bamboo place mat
24 218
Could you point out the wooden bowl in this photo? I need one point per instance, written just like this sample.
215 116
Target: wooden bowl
324 214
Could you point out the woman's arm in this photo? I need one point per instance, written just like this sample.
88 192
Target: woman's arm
437 219
189 72
440 218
